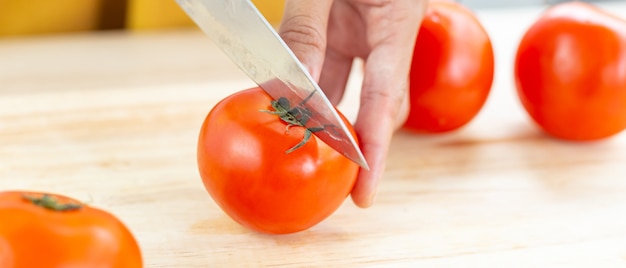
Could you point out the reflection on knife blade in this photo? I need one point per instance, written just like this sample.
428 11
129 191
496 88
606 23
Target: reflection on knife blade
239 29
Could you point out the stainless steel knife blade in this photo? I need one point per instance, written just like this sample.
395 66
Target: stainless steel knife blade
242 33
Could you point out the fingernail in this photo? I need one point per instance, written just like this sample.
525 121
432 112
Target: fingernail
369 201
372 199
312 72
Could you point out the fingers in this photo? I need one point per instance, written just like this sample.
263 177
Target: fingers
303 28
385 89
390 31
382 97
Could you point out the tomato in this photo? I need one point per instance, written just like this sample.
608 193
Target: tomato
451 71
245 167
570 72
49 230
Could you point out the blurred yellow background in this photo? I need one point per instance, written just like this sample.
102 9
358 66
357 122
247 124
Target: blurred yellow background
25 17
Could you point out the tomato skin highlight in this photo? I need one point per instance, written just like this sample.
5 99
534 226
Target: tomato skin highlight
33 236
452 69
570 71
244 167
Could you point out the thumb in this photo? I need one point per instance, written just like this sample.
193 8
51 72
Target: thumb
303 28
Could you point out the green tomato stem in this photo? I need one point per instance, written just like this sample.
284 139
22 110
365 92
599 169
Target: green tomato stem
51 203
282 109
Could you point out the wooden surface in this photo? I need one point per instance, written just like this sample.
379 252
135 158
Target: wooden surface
112 119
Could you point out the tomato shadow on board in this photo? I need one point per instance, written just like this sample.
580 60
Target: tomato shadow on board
569 169
328 229
466 151
221 224
524 153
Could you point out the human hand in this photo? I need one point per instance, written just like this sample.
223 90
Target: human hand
328 35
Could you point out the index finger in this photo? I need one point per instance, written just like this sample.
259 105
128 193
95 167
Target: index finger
303 28
384 89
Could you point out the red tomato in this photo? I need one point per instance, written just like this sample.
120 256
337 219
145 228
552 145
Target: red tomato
47 230
451 71
570 71
244 166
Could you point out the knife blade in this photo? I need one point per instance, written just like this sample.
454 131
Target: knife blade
244 35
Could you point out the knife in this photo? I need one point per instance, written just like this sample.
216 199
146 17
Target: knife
242 33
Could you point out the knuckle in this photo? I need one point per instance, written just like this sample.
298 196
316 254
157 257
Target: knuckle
387 101
301 30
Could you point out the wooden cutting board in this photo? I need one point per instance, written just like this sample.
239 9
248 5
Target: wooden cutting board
112 118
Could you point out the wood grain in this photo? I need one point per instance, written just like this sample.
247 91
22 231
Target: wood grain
112 119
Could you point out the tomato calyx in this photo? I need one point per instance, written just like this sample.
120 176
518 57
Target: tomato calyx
297 116
48 202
